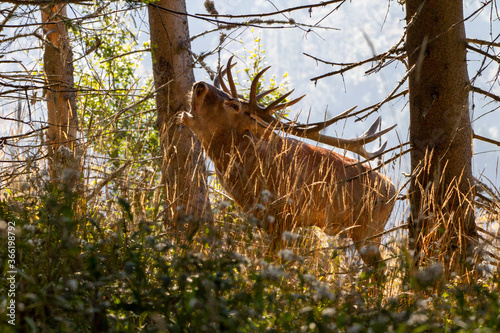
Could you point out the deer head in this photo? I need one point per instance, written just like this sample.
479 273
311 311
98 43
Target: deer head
213 108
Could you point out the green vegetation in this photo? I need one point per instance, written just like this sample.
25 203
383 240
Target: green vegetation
78 274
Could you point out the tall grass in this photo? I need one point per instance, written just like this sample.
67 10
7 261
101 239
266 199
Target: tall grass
111 272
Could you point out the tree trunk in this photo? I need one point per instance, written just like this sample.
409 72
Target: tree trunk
183 167
60 94
442 220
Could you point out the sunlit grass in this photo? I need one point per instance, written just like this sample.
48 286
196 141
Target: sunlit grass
79 273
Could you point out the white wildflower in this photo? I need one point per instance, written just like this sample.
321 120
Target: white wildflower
331 327
306 309
355 328
272 272
328 312
266 196
260 206
309 278
287 255
29 227
160 246
72 284
242 259
322 292
417 319
288 236
430 274
423 304
460 323
193 302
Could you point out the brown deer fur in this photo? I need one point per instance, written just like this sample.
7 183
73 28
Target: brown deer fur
287 183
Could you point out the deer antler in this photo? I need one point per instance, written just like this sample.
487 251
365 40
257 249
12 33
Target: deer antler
220 81
309 131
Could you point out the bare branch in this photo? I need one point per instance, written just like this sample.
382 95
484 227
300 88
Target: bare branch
482 42
287 10
485 139
255 23
485 93
5 138
7 18
349 66
126 54
486 54
390 96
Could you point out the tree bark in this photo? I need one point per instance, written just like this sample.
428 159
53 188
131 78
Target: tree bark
183 168
442 220
60 93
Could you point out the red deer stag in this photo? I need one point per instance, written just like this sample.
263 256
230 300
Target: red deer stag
285 182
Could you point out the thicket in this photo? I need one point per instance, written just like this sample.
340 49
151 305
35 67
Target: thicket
78 273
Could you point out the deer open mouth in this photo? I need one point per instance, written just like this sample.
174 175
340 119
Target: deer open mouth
186 117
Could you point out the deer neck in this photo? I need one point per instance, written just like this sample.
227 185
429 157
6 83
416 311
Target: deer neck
229 147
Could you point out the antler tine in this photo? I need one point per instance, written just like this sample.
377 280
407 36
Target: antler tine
264 93
220 80
371 134
232 86
276 106
378 151
253 87
354 145
270 107
316 127
265 113
308 129
273 107
372 129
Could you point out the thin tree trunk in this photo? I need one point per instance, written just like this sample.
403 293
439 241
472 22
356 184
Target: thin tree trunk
183 168
60 94
442 220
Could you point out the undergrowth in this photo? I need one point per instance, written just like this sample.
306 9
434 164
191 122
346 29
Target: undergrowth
78 274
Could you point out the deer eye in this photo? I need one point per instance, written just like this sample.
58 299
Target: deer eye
233 104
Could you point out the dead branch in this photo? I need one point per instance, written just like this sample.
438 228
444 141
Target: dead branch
485 93
482 138
484 53
483 42
255 23
287 10
349 66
